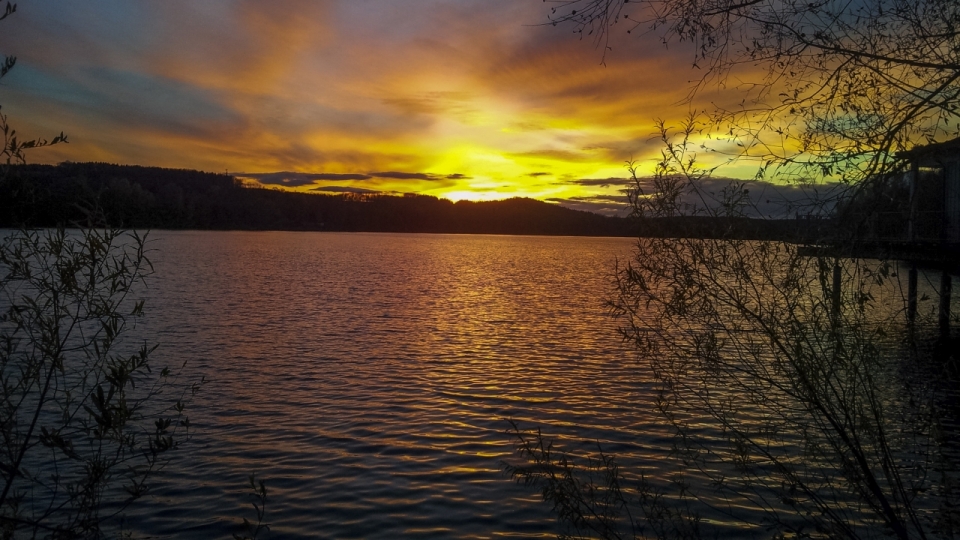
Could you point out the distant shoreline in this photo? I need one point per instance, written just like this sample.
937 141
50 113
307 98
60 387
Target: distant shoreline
137 197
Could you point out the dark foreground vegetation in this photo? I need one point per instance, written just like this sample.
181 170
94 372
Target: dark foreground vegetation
151 197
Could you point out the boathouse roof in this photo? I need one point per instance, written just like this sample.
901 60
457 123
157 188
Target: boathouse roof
933 152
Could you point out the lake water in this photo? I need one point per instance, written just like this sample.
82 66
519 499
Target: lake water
369 378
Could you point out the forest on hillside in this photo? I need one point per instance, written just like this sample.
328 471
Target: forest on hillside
73 194
150 197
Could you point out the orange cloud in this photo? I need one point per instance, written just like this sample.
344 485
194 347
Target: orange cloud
469 98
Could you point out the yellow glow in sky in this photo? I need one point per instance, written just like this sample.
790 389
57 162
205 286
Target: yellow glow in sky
466 99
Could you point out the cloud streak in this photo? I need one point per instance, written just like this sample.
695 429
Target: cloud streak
404 175
295 179
346 189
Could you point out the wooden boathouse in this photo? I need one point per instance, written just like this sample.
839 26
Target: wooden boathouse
933 224
924 232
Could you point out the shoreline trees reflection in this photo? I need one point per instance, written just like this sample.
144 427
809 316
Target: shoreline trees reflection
792 415
800 404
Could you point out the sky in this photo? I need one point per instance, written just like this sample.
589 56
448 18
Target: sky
463 99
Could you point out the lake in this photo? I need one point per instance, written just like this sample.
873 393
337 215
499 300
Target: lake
371 381
369 378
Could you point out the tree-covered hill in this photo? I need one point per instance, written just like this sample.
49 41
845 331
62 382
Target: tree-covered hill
151 197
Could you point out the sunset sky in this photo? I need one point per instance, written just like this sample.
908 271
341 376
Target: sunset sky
464 99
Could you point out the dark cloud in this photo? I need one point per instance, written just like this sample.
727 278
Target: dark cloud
608 205
404 175
346 189
295 179
613 199
536 174
773 200
604 182
765 199
173 107
280 179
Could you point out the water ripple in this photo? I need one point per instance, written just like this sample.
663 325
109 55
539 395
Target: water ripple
368 378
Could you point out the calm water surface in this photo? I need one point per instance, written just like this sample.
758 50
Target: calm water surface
368 378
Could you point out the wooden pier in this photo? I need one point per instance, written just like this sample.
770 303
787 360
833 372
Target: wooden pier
943 259
931 236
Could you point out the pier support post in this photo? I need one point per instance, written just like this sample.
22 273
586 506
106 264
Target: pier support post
912 294
836 288
945 290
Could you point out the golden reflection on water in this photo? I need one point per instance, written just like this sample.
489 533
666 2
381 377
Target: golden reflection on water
368 378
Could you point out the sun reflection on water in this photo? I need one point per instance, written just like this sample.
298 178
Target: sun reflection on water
368 378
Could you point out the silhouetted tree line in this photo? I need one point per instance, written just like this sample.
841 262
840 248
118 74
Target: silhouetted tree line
152 197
